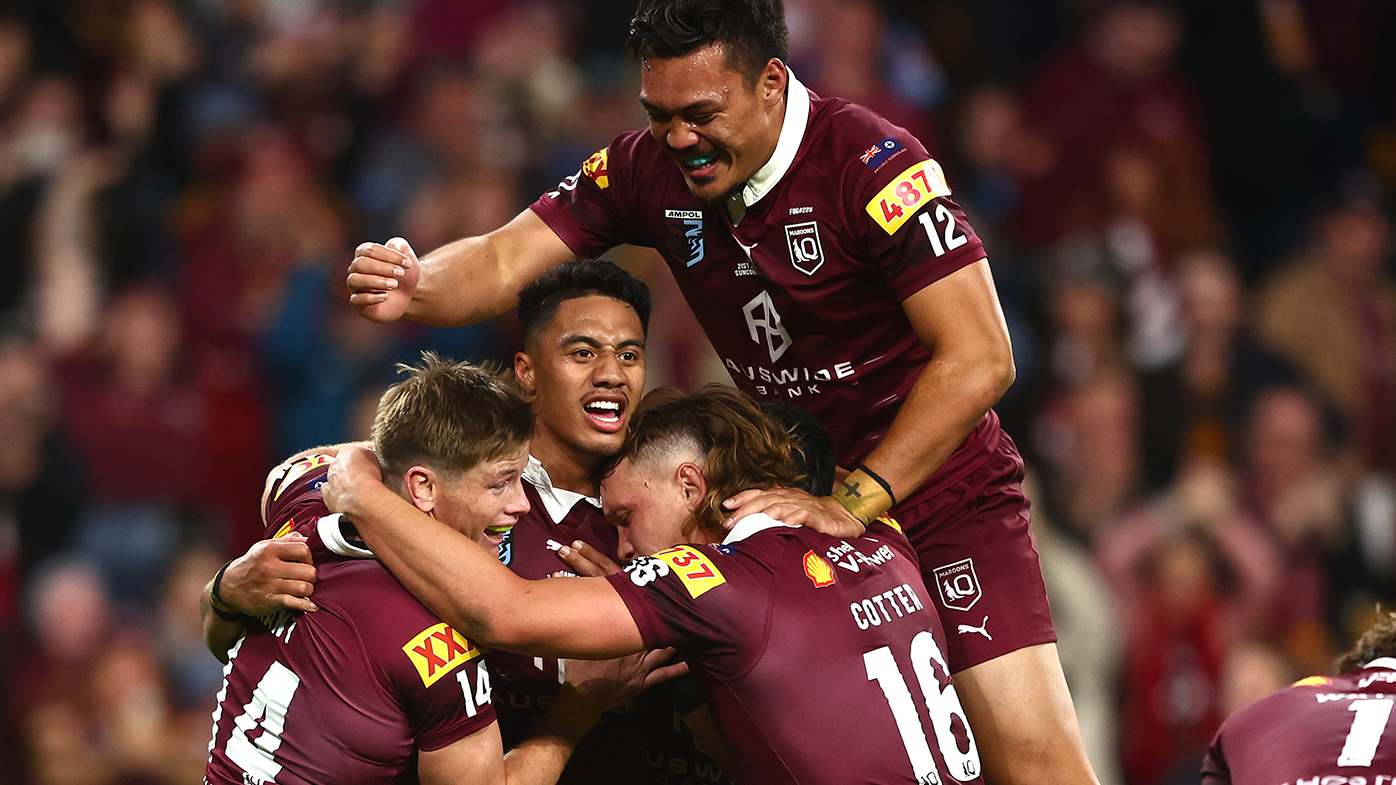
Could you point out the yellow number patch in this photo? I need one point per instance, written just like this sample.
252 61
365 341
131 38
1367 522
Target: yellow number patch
298 469
437 651
895 204
595 168
693 568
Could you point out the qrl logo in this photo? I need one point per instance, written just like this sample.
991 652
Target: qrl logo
761 316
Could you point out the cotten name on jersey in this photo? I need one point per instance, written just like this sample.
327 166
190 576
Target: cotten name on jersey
886 607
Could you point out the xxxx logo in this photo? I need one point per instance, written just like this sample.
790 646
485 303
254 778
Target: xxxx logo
437 651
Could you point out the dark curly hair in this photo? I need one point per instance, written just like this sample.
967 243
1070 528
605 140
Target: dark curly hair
1378 641
750 32
539 301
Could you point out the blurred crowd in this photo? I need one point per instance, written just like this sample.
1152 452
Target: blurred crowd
1188 206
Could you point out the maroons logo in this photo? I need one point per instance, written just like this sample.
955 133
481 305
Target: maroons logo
595 168
684 231
958 585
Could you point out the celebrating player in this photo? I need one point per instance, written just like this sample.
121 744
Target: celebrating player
819 248
373 687
1321 729
583 370
813 652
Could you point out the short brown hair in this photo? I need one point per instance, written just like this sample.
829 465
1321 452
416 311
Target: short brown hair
1378 641
448 416
741 446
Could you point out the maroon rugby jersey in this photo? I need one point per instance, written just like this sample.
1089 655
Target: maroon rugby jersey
637 744
525 686
802 297
1321 731
818 656
351 692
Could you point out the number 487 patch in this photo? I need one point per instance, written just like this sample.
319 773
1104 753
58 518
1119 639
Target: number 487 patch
908 192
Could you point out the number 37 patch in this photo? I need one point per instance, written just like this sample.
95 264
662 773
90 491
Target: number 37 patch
896 203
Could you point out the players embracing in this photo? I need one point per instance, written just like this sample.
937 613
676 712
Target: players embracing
819 248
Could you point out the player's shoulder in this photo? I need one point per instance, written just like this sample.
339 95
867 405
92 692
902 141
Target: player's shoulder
397 632
291 497
632 156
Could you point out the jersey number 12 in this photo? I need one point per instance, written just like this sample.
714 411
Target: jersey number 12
944 707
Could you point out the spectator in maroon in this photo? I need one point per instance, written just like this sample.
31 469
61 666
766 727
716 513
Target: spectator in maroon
1105 106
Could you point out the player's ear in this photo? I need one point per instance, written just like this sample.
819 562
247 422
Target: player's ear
693 484
773 80
420 486
523 371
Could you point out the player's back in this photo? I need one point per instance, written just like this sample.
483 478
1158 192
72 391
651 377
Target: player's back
820 658
1320 731
351 692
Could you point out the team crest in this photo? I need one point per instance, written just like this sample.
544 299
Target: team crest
438 650
685 231
805 251
958 585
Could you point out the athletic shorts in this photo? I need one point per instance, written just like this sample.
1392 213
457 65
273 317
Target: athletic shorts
980 561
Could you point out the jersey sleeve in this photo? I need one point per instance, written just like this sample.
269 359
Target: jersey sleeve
589 209
293 498
685 597
442 682
1214 768
900 204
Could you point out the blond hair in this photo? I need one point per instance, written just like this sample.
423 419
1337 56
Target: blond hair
448 416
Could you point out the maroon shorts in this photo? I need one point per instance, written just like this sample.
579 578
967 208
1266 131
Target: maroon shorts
980 561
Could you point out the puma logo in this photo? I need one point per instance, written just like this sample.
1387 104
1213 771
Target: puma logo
982 629
746 248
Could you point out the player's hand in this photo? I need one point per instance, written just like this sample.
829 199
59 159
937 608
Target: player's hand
352 470
272 575
797 508
587 561
382 280
611 684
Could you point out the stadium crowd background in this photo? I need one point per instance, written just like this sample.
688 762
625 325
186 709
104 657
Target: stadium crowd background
1187 206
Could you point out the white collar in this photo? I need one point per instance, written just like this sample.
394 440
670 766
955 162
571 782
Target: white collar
752 524
792 132
332 535
557 501
1382 662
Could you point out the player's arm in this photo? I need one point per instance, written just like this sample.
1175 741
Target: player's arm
960 320
538 760
272 575
466 585
463 282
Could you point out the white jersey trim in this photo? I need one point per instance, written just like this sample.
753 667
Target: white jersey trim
557 501
1382 662
792 132
753 524
334 538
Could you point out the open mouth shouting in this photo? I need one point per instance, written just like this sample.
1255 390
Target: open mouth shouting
606 413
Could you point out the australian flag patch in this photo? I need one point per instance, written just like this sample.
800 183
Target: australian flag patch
882 152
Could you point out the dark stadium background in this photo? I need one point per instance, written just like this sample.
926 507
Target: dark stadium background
1187 206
